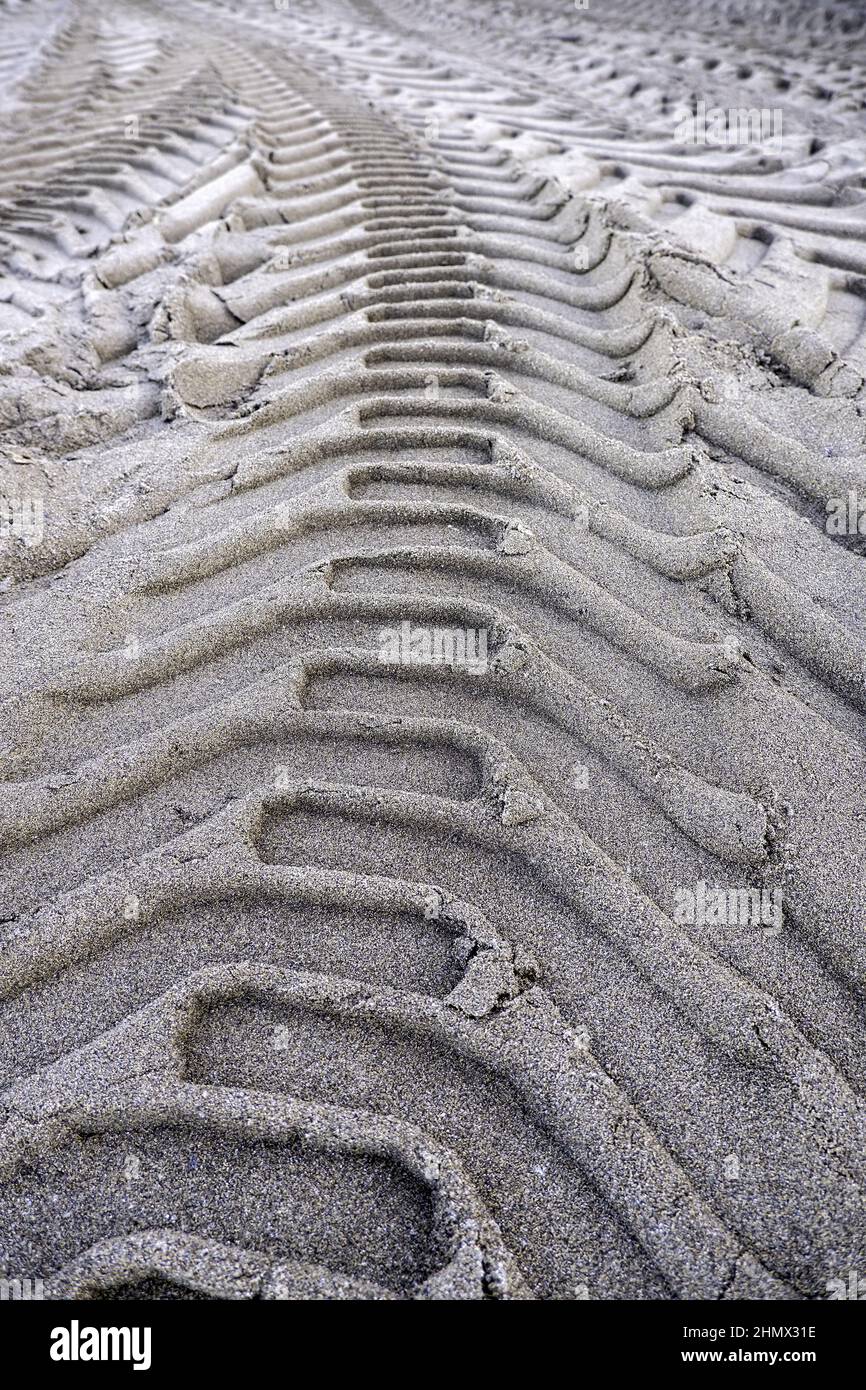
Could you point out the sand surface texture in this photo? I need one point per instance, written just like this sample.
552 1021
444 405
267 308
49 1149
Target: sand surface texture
433 642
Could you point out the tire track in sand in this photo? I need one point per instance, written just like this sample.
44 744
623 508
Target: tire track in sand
396 944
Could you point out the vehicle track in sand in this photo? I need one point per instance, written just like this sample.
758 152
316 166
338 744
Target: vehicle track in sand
325 975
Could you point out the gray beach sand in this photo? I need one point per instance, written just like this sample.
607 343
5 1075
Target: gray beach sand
433 649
